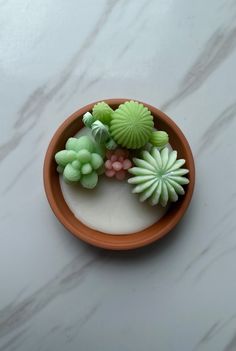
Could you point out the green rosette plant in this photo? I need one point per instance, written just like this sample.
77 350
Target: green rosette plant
80 162
158 176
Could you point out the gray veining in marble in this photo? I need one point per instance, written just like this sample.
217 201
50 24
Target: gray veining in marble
231 345
16 314
221 122
216 49
56 293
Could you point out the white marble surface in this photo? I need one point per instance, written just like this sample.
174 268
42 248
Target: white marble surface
57 293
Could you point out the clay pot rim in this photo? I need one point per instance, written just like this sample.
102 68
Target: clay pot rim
104 240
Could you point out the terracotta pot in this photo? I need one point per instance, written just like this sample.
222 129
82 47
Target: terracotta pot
115 242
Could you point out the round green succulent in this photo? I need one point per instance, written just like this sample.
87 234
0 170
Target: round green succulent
158 176
131 125
102 112
80 162
159 138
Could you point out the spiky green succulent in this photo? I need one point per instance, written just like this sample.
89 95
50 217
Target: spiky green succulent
158 176
80 162
102 112
131 125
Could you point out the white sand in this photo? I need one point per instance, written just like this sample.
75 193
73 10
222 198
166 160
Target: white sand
110 207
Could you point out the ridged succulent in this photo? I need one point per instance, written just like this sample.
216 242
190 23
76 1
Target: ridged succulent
158 176
102 112
88 119
159 138
131 125
80 162
111 144
100 132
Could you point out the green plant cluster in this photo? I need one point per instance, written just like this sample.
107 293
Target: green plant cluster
80 162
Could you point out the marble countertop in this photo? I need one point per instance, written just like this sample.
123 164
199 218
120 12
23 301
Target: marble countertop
57 293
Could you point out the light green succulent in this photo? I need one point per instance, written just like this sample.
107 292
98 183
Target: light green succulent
88 119
80 162
159 138
158 176
111 144
102 112
131 125
100 132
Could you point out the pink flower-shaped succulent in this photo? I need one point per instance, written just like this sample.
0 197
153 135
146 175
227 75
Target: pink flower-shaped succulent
117 164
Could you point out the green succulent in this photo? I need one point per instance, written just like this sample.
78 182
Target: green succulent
111 144
88 119
159 138
80 162
77 144
131 125
102 112
100 132
158 176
